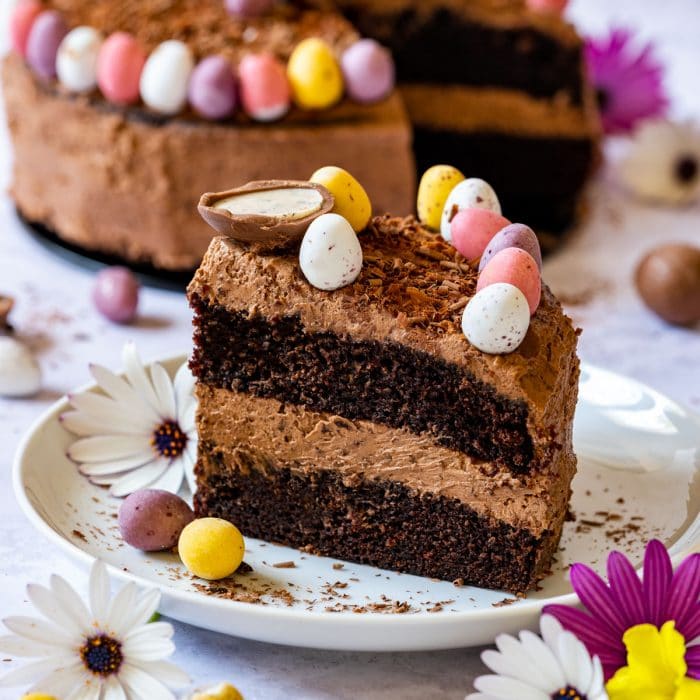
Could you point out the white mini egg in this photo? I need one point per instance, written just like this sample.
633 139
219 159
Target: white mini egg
472 193
19 372
76 60
330 255
165 77
496 319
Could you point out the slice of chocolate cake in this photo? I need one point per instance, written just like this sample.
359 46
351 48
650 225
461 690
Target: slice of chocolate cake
361 424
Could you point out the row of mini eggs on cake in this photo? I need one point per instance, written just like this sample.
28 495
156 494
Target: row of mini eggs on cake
82 59
468 215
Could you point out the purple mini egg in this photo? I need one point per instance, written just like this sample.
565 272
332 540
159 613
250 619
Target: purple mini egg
513 236
45 37
151 519
247 9
116 294
368 70
212 89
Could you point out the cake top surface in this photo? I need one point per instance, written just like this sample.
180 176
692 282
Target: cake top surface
412 289
207 27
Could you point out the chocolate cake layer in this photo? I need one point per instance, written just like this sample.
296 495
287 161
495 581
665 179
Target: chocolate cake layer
109 180
543 178
383 524
384 382
443 44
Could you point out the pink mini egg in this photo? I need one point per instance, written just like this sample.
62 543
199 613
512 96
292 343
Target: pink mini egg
264 88
472 229
514 266
21 22
556 6
119 68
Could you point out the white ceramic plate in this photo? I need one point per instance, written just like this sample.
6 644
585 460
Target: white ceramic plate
638 455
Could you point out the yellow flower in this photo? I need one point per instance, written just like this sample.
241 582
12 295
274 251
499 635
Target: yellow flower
655 668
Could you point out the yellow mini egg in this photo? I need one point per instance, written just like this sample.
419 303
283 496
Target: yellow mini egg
38 696
434 189
351 200
223 691
211 548
314 74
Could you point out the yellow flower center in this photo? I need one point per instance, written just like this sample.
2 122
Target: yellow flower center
656 668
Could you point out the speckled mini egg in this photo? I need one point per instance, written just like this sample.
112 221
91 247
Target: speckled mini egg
434 189
472 193
119 67
330 255
76 60
152 519
20 374
516 267
314 75
351 199
211 548
473 229
165 77
496 319
513 236
264 88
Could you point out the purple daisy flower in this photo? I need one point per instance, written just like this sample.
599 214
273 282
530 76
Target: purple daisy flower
628 84
626 602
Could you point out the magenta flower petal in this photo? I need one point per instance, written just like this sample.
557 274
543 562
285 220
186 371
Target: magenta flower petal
597 597
684 592
658 574
691 624
626 587
692 658
593 633
628 81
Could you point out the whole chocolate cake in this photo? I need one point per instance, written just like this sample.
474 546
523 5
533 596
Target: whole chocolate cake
488 86
361 423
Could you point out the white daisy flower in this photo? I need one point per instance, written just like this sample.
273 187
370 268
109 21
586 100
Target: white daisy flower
139 432
555 665
662 163
107 652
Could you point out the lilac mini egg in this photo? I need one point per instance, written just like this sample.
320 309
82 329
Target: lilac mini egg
45 37
513 236
151 519
212 89
368 70
247 9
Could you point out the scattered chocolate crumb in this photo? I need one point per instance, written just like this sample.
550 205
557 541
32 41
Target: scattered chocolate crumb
79 535
338 566
285 565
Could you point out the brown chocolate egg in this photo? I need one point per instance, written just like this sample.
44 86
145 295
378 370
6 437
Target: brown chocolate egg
668 280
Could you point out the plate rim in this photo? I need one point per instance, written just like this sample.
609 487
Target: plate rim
75 553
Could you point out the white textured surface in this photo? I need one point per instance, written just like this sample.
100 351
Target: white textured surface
55 316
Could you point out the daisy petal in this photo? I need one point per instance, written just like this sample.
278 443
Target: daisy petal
188 465
31 671
685 588
82 424
38 630
163 387
117 621
166 672
142 684
159 630
595 595
140 612
111 416
61 682
18 646
118 465
138 478
508 688
626 589
590 631
549 672
123 393
186 418
52 608
550 629
113 690
104 448
184 384
575 661
99 591
506 664
171 479
70 601
147 647
89 690
136 374
658 575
